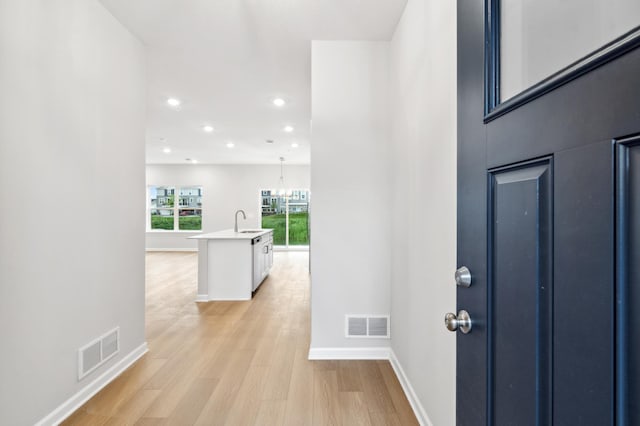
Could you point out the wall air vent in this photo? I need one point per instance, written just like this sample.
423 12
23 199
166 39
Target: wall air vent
371 326
356 326
97 352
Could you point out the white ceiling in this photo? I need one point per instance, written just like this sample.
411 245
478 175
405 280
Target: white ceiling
226 60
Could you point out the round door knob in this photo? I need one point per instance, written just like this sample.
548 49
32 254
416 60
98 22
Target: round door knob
463 277
451 321
461 321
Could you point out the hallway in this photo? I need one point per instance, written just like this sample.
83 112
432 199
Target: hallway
240 363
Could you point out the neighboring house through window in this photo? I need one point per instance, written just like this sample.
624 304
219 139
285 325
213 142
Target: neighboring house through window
164 213
287 215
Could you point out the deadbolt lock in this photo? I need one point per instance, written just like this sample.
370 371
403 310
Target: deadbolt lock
463 277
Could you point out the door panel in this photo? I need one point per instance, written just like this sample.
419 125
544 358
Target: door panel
633 320
608 107
628 286
583 291
471 213
520 257
555 356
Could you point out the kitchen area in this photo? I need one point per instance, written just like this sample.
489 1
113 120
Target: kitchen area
233 263
193 208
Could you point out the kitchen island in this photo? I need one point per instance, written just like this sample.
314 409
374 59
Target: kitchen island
232 265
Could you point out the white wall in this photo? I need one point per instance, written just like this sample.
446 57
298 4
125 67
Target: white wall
72 184
423 118
225 189
350 183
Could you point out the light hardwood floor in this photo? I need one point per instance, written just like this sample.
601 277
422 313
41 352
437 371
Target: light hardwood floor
240 363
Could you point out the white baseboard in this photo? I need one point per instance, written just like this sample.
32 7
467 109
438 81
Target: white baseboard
290 248
206 298
417 407
72 404
348 353
228 299
171 249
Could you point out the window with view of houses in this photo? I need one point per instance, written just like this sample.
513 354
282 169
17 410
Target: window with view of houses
287 213
167 213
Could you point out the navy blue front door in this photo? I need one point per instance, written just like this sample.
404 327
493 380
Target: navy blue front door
549 225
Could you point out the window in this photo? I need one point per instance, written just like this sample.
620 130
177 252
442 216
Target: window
165 214
288 216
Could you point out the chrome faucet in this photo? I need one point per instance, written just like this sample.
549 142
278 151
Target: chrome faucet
235 228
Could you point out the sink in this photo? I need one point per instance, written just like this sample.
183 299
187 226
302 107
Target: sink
250 231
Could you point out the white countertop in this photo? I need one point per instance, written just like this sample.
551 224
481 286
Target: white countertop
228 234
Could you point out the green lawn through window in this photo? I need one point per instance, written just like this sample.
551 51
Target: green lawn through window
190 223
298 228
162 222
186 223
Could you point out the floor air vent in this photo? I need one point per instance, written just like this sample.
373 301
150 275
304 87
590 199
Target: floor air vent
97 352
372 326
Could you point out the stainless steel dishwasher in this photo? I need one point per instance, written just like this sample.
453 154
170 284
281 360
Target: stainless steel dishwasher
258 262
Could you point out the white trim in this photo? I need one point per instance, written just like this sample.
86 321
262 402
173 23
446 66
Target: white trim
206 298
173 232
349 353
290 248
83 395
417 407
194 249
225 299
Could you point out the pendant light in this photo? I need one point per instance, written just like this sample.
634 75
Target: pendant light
282 188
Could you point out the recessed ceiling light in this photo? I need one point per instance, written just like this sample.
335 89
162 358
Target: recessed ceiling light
167 150
230 145
208 129
194 161
269 141
174 102
288 129
294 145
279 102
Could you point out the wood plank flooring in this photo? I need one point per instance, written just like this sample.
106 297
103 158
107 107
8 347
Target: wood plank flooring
240 363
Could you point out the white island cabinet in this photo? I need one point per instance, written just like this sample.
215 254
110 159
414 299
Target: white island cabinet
232 265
